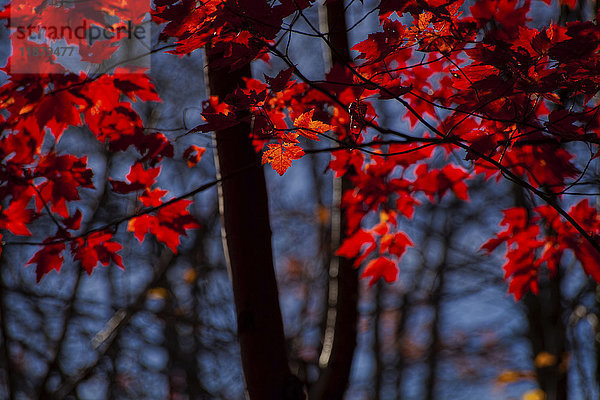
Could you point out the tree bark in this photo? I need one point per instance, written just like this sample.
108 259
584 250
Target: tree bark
434 352
247 242
548 335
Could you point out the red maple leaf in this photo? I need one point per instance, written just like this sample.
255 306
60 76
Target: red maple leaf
395 243
353 245
381 267
438 182
280 156
280 82
16 216
309 128
48 258
96 248
168 225
65 175
138 177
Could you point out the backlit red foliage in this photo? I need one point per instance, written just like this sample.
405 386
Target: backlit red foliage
512 100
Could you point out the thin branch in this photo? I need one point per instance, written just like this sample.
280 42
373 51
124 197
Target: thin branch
115 223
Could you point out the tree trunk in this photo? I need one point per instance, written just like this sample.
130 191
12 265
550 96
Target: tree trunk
548 336
434 352
247 242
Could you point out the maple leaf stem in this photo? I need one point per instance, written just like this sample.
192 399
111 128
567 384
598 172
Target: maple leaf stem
129 60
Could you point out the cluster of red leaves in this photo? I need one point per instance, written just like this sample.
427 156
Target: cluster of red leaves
505 93
269 106
35 111
392 244
514 100
538 238
169 222
503 83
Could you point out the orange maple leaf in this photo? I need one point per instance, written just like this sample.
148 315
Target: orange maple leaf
309 128
280 156
193 154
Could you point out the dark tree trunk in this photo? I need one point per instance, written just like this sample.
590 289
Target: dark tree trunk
433 356
548 335
247 243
